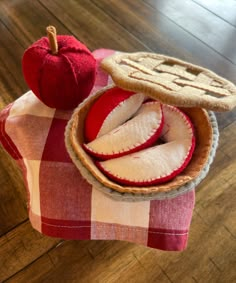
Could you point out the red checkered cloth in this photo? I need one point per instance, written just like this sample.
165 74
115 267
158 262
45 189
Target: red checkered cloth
62 204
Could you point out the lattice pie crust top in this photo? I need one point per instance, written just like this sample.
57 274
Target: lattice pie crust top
171 81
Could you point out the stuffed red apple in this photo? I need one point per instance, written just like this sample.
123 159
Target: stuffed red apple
59 70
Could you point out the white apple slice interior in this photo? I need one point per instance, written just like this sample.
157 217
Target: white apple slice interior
110 110
161 162
141 131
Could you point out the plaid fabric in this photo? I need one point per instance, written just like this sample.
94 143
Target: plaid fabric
62 204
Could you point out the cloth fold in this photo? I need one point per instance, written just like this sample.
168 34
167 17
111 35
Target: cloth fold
61 202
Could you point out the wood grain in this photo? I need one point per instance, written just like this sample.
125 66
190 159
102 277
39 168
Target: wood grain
12 83
20 247
164 36
93 26
27 20
225 10
13 208
87 261
202 32
192 18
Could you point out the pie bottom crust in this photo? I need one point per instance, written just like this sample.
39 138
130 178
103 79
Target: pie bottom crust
203 133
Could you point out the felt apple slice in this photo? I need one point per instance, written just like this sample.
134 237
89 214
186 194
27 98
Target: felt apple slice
110 110
159 163
137 133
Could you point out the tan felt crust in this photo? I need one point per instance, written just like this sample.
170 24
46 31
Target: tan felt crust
170 80
203 133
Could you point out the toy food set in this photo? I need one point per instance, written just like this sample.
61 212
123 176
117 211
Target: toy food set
149 132
100 130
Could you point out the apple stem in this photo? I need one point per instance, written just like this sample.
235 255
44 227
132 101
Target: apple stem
52 37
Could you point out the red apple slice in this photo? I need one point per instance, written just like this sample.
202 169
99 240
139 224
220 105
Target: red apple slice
159 163
137 133
110 110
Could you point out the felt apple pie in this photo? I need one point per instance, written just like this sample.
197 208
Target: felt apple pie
184 144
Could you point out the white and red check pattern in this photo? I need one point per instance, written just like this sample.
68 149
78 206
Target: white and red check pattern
62 204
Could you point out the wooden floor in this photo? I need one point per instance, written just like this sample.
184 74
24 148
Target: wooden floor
202 32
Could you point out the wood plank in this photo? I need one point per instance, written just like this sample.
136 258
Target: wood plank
27 20
224 119
8 89
219 207
72 260
221 177
192 18
21 247
33 272
227 140
208 190
209 255
92 26
215 196
12 81
225 10
162 35
200 261
13 209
